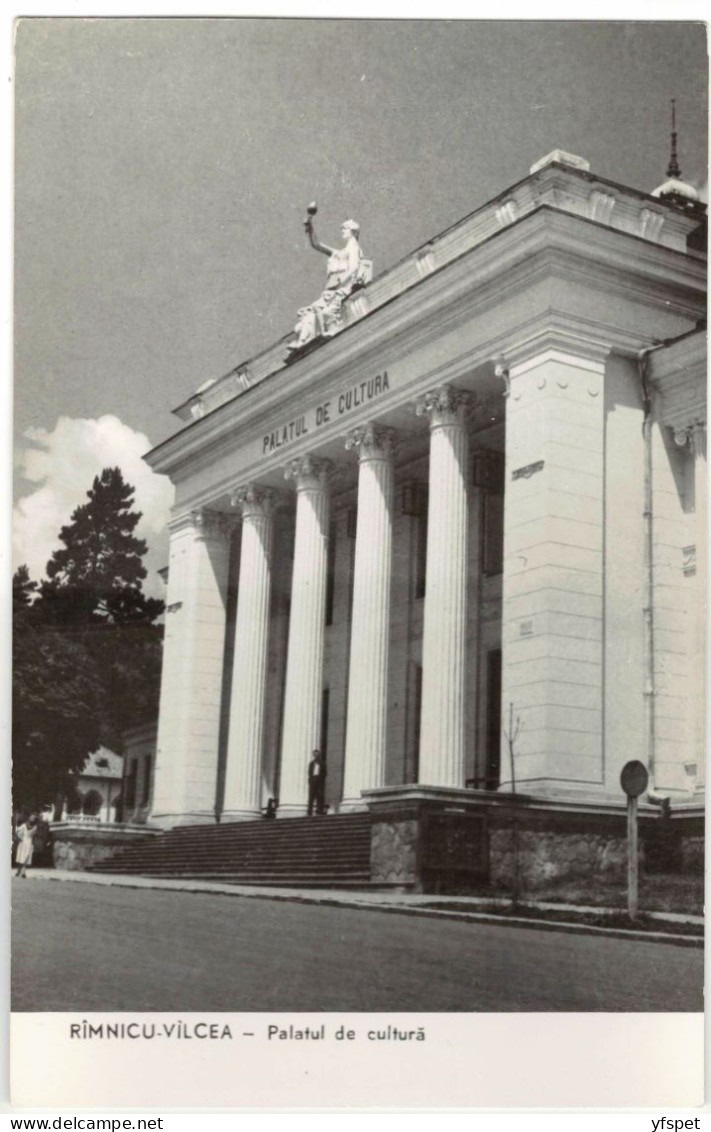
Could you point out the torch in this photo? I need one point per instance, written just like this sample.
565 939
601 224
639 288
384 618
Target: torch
311 211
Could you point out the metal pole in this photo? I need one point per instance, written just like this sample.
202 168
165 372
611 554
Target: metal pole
632 859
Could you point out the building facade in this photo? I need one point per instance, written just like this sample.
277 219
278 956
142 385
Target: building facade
458 544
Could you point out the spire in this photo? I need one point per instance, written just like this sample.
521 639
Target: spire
674 190
673 169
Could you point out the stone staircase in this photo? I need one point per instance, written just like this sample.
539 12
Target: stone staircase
332 851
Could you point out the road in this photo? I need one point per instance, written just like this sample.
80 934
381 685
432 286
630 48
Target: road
81 947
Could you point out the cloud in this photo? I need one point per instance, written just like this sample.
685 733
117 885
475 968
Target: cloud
63 464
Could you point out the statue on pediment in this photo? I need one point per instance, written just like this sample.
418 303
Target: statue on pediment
346 271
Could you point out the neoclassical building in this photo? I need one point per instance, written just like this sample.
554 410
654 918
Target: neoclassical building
457 542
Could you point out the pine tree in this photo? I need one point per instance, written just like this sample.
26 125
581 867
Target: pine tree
93 600
23 590
97 576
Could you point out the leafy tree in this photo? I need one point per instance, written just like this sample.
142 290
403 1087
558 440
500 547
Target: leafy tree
55 695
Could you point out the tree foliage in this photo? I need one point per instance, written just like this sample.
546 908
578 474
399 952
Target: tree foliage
87 649
97 576
55 703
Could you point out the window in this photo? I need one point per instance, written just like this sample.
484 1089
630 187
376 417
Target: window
91 805
147 764
325 703
421 554
414 503
417 722
131 780
493 719
488 475
492 517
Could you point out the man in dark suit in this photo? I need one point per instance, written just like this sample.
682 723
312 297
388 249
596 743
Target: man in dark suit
317 783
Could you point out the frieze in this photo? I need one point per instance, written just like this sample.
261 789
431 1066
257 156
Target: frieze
325 413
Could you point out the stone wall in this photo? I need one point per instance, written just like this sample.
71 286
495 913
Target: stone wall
393 852
692 854
75 847
446 840
545 855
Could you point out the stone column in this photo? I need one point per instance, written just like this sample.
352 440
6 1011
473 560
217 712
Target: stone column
243 776
304 662
368 673
442 731
191 679
553 583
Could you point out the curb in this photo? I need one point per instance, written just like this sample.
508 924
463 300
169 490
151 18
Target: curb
569 927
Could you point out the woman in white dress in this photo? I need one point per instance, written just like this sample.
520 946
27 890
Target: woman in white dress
25 841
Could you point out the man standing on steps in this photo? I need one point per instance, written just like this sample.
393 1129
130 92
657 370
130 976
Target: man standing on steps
317 783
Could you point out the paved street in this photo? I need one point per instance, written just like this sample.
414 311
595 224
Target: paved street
89 948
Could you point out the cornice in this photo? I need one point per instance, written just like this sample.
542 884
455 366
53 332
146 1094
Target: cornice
572 190
543 245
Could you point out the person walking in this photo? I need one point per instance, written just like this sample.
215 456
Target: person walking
25 843
317 783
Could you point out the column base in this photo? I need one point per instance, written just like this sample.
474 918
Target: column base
239 815
352 806
192 817
289 810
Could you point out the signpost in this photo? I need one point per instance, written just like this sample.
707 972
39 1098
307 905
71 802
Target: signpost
633 779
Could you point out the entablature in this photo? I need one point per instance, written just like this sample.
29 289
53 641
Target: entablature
538 278
562 187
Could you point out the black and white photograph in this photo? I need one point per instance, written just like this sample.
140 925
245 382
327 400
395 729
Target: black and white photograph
359 537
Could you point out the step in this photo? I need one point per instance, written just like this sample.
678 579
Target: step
290 880
222 867
325 852
337 852
285 826
234 845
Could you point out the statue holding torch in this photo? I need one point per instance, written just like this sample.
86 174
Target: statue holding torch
345 270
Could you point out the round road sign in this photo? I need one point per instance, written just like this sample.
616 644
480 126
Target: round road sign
634 778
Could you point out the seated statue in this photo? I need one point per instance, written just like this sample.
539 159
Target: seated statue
346 269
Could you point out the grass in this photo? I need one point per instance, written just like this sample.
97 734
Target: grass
643 922
658 892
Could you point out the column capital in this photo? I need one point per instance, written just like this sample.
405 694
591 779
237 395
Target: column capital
212 524
311 473
445 406
372 441
204 523
255 502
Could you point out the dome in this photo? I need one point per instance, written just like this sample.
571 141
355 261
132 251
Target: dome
676 188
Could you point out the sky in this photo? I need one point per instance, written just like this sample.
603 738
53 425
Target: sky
162 169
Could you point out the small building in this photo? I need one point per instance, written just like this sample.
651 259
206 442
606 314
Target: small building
98 789
138 766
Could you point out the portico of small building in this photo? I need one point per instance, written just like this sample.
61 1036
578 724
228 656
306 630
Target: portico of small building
379 548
